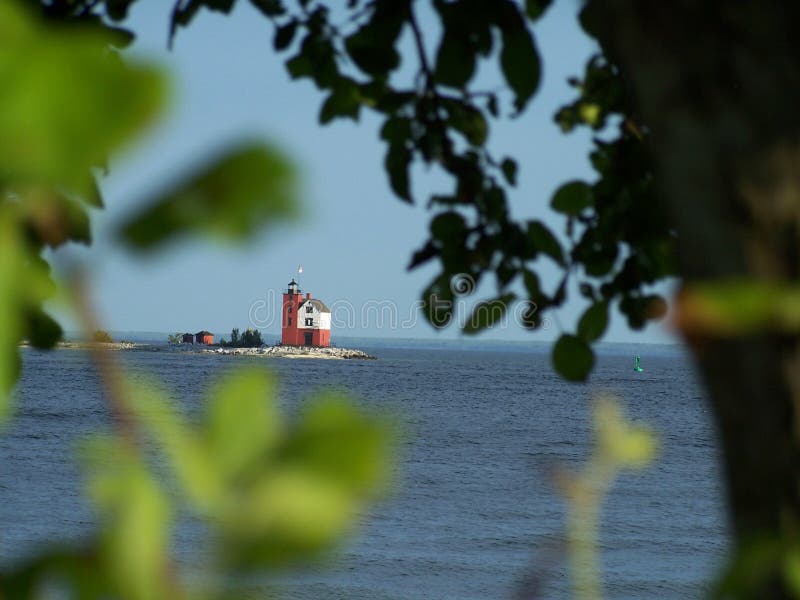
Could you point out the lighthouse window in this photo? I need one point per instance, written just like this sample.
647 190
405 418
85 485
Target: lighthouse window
290 309
309 322
309 309
290 320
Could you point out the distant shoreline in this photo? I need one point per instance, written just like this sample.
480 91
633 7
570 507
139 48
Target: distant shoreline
73 345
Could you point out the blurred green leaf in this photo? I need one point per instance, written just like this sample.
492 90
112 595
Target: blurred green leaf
309 491
287 515
55 217
63 569
243 422
620 441
755 561
67 102
572 197
572 357
338 442
188 454
791 569
593 323
739 307
135 519
233 197
24 284
271 493
11 277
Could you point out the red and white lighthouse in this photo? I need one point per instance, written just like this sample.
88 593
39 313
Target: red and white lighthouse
306 321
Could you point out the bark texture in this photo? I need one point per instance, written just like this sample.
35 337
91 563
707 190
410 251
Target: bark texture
719 86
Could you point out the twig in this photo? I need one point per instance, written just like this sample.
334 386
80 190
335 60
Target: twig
107 368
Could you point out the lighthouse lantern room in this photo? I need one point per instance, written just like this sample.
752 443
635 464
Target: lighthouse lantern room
306 321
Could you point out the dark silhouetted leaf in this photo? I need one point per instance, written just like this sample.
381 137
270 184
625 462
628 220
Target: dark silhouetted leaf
117 10
469 121
344 101
593 322
531 281
455 60
572 358
372 46
284 35
543 240
233 197
486 314
448 225
43 330
269 8
519 59
535 8
423 255
398 159
572 197
509 167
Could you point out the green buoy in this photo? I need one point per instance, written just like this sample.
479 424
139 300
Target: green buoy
636 366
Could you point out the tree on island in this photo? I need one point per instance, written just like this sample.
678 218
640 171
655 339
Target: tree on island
175 338
694 110
251 338
102 336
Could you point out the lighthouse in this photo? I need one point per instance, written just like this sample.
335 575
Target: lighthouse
306 321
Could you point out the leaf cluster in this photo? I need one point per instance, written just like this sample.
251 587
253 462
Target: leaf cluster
270 492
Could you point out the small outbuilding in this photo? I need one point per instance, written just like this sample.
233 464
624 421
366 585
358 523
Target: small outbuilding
187 338
204 337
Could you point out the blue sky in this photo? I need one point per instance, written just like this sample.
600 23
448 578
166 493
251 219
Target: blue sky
355 238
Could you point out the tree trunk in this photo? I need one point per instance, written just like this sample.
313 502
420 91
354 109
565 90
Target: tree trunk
718 85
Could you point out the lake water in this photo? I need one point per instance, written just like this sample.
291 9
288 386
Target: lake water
476 509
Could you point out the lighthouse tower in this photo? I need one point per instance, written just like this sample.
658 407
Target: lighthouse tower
306 321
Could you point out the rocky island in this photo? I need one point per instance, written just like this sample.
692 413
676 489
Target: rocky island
294 352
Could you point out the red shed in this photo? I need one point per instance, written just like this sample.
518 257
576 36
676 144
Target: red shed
204 337
187 338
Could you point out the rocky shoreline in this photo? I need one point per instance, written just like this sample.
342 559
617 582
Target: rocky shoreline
294 352
269 351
